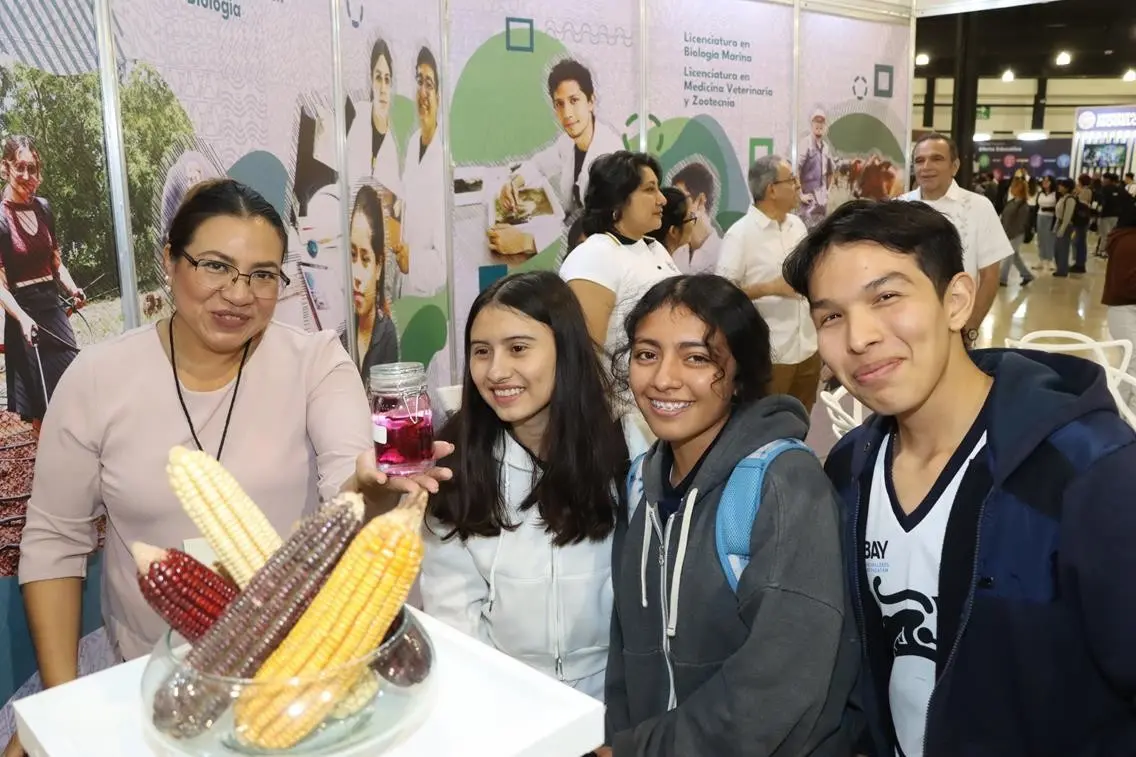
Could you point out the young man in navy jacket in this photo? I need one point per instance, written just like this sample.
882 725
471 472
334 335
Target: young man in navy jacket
990 507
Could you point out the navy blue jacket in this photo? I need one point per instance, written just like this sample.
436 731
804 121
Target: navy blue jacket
1037 585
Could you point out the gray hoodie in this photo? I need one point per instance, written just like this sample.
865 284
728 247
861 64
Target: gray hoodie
697 671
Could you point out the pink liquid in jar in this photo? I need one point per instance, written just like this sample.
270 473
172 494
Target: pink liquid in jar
403 421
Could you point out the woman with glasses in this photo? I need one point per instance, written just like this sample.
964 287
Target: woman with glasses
283 410
38 341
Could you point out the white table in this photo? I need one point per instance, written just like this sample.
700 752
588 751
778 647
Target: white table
486 704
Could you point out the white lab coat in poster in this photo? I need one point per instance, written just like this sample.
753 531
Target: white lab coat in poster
384 169
423 220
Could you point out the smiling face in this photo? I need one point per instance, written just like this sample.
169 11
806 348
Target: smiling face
882 328
682 385
512 361
934 168
224 320
574 109
23 172
364 266
427 98
643 211
381 90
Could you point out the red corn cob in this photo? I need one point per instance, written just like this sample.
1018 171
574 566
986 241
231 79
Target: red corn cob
184 592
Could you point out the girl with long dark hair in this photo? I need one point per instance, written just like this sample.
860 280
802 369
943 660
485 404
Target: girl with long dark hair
519 549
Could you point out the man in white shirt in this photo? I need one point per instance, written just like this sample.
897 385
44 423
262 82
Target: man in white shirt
984 242
753 251
701 254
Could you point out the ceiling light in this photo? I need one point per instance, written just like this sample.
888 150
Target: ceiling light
922 59
1064 58
1008 75
1130 74
981 136
1032 136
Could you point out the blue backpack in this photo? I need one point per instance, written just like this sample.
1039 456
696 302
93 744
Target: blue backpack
738 508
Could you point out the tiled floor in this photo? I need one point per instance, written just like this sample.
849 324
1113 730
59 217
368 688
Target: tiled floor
1070 304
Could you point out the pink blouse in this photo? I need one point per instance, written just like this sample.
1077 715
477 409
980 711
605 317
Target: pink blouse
301 418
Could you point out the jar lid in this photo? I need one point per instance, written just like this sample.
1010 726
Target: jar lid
397 376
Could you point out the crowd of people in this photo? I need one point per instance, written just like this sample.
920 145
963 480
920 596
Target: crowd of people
624 500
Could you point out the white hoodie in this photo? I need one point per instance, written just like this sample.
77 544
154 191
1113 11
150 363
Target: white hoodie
547 606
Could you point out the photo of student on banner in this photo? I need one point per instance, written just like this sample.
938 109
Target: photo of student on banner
425 187
700 254
562 166
372 145
39 342
816 168
376 335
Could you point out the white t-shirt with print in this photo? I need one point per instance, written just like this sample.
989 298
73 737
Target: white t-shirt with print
984 241
627 270
902 554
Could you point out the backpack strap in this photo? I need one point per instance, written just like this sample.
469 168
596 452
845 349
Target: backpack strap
635 485
737 510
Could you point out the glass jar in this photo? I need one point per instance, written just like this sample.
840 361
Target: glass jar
403 421
391 697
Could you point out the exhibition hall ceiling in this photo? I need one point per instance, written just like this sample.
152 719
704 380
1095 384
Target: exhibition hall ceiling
1100 36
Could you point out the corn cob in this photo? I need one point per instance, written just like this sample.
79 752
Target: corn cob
255 623
346 621
359 697
229 520
186 594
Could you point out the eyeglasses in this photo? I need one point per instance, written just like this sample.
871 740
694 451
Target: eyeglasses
218 276
790 180
690 218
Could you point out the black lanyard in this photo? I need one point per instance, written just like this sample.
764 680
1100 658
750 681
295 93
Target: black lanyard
181 399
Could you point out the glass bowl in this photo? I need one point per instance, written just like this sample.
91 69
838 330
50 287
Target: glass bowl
361 707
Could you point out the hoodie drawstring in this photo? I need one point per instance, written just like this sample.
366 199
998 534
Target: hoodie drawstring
504 474
687 517
645 550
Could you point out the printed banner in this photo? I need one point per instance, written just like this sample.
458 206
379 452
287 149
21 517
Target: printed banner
59 291
542 88
1046 157
720 96
855 105
222 92
396 171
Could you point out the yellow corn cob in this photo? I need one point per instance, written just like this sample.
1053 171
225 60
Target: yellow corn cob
358 698
346 621
229 520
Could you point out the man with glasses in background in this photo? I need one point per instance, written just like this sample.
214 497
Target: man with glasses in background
753 251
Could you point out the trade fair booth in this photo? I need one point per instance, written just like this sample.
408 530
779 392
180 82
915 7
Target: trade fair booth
1105 140
129 103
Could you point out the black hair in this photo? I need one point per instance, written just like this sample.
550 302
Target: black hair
674 213
13 145
426 58
578 489
220 197
698 180
909 228
936 137
380 50
612 179
1069 185
725 310
370 205
571 70
575 232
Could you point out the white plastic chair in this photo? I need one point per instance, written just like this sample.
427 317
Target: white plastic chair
1114 355
844 410
451 398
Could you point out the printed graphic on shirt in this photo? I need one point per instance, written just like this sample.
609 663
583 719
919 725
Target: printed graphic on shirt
911 623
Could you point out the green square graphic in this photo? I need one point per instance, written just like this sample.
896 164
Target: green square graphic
884 80
519 34
759 147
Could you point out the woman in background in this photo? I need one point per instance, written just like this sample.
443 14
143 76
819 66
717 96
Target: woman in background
375 331
1063 229
518 550
677 223
1015 222
1046 221
39 343
618 262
